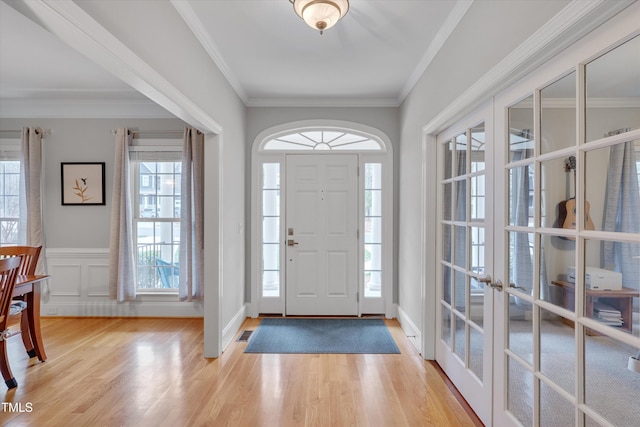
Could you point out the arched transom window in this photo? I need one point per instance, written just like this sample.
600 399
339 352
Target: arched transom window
323 140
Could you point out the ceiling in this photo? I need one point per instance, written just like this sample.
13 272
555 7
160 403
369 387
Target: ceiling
372 57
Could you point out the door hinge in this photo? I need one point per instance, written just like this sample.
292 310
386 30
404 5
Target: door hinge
358 296
358 233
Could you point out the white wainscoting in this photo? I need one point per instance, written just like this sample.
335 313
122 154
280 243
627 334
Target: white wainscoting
410 329
79 286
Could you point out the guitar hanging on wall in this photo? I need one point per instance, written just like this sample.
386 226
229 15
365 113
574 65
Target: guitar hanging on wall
567 208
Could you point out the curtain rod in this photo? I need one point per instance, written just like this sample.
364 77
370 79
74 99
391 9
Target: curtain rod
113 131
46 131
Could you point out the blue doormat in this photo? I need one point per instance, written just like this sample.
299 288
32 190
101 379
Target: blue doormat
294 335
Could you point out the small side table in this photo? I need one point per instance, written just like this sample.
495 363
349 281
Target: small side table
621 300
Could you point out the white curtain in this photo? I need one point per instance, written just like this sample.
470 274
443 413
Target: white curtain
191 286
31 224
622 205
122 268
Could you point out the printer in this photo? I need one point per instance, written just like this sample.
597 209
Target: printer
598 278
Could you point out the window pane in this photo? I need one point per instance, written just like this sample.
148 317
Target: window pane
612 88
271 230
157 220
373 230
521 140
558 115
477 148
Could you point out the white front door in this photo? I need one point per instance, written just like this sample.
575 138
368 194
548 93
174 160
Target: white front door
466 195
321 235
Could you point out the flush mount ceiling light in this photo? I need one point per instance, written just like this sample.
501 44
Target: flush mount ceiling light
320 14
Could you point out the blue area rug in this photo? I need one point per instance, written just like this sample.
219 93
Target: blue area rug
294 335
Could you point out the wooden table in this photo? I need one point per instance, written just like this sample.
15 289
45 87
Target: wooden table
621 300
30 287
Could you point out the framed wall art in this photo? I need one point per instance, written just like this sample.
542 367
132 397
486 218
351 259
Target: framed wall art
82 183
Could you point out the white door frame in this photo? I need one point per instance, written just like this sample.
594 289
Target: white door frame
260 156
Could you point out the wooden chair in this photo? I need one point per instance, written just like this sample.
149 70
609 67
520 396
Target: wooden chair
30 256
9 268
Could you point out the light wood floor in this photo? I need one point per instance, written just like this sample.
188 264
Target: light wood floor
151 372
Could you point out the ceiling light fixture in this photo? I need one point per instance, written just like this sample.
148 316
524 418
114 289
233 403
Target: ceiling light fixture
320 14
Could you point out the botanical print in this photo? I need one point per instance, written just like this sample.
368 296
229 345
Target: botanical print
82 183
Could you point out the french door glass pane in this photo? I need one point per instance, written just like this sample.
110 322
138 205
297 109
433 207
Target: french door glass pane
477 148
477 250
446 242
612 182
520 328
557 286
557 351
477 197
558 115
446 325
521 134
447 206
461 154
447 159
519 398
610 388
521 261
476 302
612 82
460 291
557 193
476 343
461 200
521 187
555 410
446 283
460 236
460 342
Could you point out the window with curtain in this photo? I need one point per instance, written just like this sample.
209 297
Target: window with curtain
10 192
9 198
156 188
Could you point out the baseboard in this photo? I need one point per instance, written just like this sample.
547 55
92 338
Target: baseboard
230 330
113 308
410 329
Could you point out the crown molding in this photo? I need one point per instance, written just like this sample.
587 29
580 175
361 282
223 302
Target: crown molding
74 26
576 20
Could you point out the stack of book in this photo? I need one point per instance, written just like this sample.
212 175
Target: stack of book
606 314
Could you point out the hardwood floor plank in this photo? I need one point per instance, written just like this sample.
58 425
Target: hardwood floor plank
150 372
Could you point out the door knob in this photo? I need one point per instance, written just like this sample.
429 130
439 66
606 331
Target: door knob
486 279
291 242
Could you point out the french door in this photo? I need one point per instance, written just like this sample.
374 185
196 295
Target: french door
322 235
466 195
561 245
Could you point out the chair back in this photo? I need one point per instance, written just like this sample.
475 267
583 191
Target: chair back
9 268
30 255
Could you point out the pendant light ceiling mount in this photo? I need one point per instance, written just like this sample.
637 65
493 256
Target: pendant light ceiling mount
320 14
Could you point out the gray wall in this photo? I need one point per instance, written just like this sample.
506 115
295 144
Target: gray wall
80 140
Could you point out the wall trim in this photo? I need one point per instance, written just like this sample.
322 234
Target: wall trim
234 325
410 329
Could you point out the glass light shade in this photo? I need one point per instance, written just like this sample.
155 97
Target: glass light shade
321 14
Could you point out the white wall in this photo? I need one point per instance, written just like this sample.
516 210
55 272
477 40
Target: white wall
465 57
